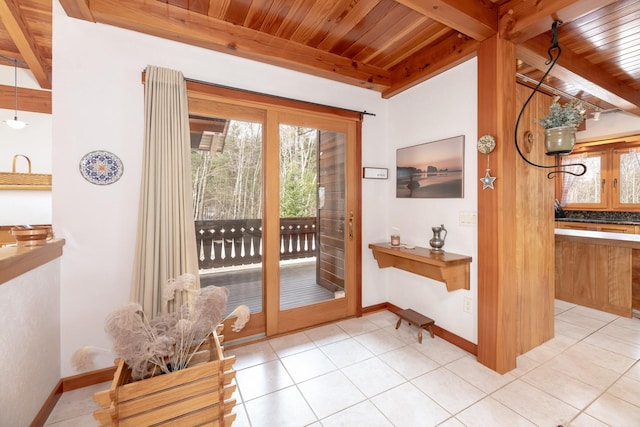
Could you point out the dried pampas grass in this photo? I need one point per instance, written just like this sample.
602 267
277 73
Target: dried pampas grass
176 293
242 314
209 307
167 342
82 358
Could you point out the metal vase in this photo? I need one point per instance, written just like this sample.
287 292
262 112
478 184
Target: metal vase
437 242
559 140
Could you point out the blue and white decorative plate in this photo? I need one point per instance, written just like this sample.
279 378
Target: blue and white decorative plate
101 167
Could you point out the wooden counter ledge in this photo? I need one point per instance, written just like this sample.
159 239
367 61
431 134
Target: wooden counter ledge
15 261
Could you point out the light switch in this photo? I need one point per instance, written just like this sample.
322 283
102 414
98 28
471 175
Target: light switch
468 218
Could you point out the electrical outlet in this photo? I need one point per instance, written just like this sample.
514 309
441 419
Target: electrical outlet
466 305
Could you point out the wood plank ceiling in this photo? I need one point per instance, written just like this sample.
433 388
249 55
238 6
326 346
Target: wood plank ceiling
25 35
383 45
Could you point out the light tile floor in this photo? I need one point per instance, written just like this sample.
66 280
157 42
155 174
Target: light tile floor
363 372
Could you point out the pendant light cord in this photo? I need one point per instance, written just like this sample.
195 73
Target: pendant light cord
15 86
554 52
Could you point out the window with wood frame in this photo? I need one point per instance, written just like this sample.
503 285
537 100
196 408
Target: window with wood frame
612 180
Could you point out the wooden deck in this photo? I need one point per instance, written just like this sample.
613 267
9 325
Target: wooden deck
298 286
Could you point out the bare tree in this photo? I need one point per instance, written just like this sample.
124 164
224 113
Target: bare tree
228 184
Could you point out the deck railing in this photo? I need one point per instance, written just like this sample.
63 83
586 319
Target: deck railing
223 243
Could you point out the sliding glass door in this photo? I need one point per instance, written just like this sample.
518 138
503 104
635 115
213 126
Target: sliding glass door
318 219
277 212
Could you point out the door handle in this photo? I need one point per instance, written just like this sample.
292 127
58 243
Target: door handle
350 225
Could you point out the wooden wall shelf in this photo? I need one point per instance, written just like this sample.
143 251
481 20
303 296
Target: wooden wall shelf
447 267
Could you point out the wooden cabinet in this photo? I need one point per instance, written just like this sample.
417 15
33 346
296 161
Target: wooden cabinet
619 228
595 271
597 226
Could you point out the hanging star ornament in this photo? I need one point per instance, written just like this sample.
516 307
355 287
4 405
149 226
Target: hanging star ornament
487 181
486 144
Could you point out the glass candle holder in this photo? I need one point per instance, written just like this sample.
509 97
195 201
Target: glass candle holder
395 240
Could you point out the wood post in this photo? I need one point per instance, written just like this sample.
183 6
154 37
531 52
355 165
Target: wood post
515 231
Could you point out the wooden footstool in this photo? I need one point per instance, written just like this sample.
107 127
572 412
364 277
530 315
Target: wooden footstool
413 317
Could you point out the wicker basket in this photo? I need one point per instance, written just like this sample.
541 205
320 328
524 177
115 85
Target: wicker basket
16 178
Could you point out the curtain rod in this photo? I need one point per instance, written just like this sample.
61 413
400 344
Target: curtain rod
365 112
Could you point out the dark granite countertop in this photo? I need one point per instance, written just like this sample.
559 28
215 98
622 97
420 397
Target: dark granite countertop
601 217
600 221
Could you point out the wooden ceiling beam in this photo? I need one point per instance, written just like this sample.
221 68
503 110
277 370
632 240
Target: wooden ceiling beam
24 41
521 20
11 54
77 9
431 61
581 73
174 23
474 19
33 100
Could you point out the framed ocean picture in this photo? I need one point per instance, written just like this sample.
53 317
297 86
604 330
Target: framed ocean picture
431 170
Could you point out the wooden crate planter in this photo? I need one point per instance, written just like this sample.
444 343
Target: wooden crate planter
198 395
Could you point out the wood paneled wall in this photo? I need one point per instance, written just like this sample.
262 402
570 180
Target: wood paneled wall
535 224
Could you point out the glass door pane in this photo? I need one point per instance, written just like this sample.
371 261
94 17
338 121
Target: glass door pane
227 192
312 216
332 215
585 189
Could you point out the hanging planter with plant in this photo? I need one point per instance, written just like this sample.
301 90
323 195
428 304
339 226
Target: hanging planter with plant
570 116
560 127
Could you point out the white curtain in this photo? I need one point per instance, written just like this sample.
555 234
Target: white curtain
166 242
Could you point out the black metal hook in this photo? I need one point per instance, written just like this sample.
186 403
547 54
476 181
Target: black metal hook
554 42
559 169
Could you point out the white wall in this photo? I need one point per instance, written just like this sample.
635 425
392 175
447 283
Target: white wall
443 107
98 104
30 344
34 141
610 125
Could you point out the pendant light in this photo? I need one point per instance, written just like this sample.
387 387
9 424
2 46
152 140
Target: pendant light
15 123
